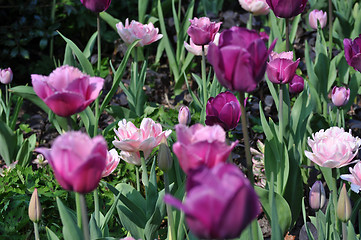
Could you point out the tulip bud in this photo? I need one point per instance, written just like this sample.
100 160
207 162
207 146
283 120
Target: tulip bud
96 5
164 156
340 96
35 207
344 209
184 116
296 84
317 15
6 76
317 196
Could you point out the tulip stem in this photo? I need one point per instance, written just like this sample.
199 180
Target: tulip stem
330 28
137 176
281 126
78 210
144 172
52 19
36 231
84 215
287 34
99 44
338 118
246 139
169 210
204 87
344 231
96 206
249 22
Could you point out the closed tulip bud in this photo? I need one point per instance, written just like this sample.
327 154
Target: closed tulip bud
165 160
34 207
96 5
317 196
317 15
297 84
340 96
281 68
184 116
6 76
344 208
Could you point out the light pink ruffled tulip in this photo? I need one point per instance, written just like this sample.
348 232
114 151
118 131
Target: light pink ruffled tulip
112 162
257 7
317 15
201 145
6 76
131 139
202 31
340 96
67 90
354 178
333 148
77 160
136 30
184 116
131 157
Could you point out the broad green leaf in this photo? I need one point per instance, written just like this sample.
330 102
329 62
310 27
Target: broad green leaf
109 19
70 229
50 234
8 142
95 232
89 46
29 94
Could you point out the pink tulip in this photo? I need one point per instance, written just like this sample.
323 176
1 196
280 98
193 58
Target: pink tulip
317 15
202 31
353 52
354 178
197 49
184 116
135 30
77 161
219 204
67 90
296 84
257 7
286 55
131 139
6 76
317 197
201 145
281 68
130 157
333 148
340 96
112 162
96 5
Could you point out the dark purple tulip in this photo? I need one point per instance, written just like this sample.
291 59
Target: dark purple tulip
287 8
96 5
202 31
224 110
239 60
353 52
297 84
281 70
220 202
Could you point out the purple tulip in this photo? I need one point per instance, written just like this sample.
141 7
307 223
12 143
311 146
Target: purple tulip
223 110
6 76
220 202
353 52
96 5
340 96
296 84
317 198
202 31
281 70
287 8
77 161
239 60
67 90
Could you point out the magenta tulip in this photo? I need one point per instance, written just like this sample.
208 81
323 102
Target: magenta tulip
296 84
201 145
202 31
184 116
281 69
340 96
223 110
317 15
354 178
96 5
67 90
239 60
77 161
6 75
287 8
353 52
219 204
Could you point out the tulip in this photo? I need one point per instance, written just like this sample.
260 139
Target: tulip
287 8
165 160
257 7
287 55
111 162
35 207
136 30
281 68
219 203
296 84
201 145
96 5
6 76
317 15
354 178
131 140
197 49
239 60
202 31
77 161
184 116
333 148
224 110
130 157
340 96
67 90
353 52
317 198
344 208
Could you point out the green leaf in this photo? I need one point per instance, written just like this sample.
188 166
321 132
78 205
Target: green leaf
88 118
89 47
109 19
8 142
70 229
50 234
95 232
29 94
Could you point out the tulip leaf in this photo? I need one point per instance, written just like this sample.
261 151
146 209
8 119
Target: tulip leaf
90 45
157 217
8 142
50 234
95 232
107 217
68 57
253 231
109 19
26 150
88 118
84 62
70 229
151 191
295 23
29 94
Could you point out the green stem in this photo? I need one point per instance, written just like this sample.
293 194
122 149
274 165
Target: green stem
171 229
179 8
338 118
137 176
144 172
287 34
97 113
84 215
52 19
281 128
78 210
96 206
246 139
204 83
7 101
330 28
342 118
99 44
344 231
249 22
36 231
